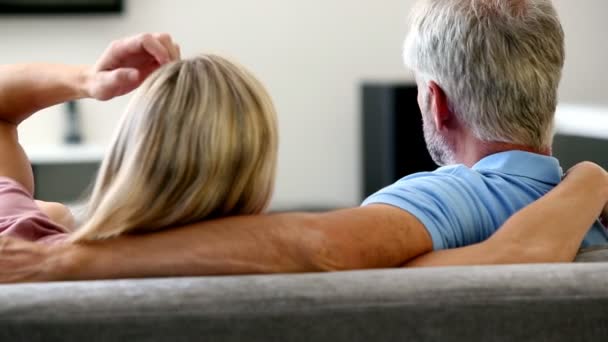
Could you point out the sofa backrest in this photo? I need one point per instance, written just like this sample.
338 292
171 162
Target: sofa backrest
507 303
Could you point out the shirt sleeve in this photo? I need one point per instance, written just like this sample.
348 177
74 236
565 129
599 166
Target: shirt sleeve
20 216
448 203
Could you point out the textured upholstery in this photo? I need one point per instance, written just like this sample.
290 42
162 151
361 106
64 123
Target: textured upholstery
595 254
507 303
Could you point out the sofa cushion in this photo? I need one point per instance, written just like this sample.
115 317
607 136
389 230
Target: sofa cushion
594 254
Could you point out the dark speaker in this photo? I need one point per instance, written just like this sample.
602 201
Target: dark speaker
64 182
572 149
393 141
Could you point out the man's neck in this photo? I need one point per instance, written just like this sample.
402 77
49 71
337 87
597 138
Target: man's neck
473 150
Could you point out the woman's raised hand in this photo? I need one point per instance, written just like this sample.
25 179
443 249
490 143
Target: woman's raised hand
127 62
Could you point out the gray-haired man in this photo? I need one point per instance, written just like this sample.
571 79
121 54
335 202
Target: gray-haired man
487 73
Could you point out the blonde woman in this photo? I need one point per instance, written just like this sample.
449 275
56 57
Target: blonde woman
197 141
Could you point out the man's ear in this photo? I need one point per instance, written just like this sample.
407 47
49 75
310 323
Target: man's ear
440 109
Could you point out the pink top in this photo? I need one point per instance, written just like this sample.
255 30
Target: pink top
21 217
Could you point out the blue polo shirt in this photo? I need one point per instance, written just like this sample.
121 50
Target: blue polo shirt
460 206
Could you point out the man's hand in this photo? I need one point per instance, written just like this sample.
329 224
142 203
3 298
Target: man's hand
24 261
549 230
126 63
589 171
604 217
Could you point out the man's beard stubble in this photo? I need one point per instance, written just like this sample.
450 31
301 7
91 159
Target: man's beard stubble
437 145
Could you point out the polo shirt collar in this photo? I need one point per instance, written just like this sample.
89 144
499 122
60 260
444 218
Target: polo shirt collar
523 164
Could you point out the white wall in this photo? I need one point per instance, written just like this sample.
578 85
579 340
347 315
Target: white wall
311 54
586 72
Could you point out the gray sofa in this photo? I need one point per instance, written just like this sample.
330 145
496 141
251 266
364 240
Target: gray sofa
566 302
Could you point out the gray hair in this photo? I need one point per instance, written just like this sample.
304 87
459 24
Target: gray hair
498 61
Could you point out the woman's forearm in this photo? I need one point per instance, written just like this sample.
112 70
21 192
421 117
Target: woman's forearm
28 88
124 65
24 90
549 230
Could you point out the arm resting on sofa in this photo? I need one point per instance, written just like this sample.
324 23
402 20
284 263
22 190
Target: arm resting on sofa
549 230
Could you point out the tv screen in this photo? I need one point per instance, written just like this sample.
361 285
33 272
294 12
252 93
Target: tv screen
60 6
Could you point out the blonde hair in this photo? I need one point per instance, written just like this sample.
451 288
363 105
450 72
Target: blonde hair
198 141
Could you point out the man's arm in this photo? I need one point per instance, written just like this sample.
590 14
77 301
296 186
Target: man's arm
369 237
604 218
549 230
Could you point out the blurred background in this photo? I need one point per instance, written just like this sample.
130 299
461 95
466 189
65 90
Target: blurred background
314 56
